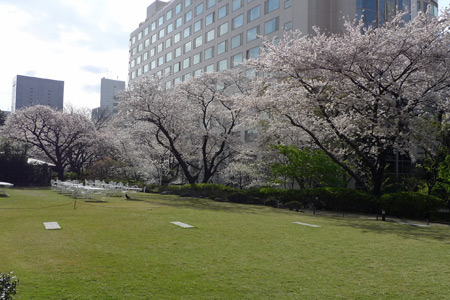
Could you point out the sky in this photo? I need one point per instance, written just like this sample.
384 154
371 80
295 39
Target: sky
78 42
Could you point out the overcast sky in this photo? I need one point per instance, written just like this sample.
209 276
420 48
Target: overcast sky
77 41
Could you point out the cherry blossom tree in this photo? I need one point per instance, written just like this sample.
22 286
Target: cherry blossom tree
196 121
360 96
53 134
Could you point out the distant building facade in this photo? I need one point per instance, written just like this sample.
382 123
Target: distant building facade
109 89
180 39
29 91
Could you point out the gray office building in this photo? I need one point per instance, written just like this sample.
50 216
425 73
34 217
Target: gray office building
183 38
108 91
29 91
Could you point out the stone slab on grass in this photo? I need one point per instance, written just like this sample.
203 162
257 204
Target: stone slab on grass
413 224
306 224
51 225
181 224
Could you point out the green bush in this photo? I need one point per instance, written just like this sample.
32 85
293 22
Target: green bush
410 205
8 285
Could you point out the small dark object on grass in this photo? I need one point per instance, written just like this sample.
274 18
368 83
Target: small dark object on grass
128 197
8 284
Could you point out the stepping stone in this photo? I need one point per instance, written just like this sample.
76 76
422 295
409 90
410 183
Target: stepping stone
412 224
51 225
305 224
181 224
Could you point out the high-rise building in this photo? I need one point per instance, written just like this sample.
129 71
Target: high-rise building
183 38
108 101
29 91
108 91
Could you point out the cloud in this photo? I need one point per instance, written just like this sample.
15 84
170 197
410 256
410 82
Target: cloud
93 69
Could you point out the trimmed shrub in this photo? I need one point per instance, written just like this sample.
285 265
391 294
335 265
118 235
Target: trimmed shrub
410 205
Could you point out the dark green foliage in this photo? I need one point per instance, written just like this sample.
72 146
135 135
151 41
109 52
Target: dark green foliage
410 205
294 205
2 118
8 285
15 169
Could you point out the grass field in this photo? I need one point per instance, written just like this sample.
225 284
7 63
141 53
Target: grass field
129 250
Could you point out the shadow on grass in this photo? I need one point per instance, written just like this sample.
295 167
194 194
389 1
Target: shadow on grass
434 232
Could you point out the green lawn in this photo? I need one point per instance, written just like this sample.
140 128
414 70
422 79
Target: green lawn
129 250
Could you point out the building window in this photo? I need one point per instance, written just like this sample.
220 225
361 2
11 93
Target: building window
160 47
152 52
287 3
139 36
210 35
236 41
146 30
222 65
147 43
209 53
178 52
133 63
154 37
168 42
145 68
169 15
199 9
198 25
187 47
161 21
133 40
197 58
169 56
140 47
253 53
209 19
271 26
161 33
186 63
176 67
177 38
187 3
288 26
253 13
178 8
179 22
222 47
188 16
223 11
176 80
238 21
236 60
198 41
169 28
153 25
145 56
197 72
223 29
209 68
211 3
160 61
271 5
138 60
153 65
134 51
186 77
133 74
168 84
167 71
236 4
187 32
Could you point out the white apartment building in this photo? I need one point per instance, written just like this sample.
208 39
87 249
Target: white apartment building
183 38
